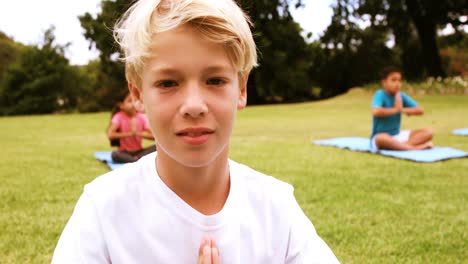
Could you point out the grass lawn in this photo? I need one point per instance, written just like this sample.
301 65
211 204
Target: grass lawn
368 208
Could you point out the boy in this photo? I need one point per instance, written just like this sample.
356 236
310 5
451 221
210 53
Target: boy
387 106
188 62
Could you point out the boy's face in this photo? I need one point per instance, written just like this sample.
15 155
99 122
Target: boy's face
191 94
392 84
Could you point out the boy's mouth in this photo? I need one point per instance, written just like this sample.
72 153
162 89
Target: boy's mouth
195 135
194 132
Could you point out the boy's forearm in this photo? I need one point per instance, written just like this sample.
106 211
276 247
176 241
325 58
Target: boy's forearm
413 110
383 112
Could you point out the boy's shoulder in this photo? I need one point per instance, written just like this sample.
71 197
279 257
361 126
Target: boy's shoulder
269 199
255 183
130 179
253 176
380 92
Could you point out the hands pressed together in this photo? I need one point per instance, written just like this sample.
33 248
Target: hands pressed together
208 252
399 107
398 103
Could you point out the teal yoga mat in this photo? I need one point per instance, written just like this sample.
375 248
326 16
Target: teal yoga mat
363 144
460 132
105 156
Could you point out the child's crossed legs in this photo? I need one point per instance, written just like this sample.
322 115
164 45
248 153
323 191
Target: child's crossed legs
406 140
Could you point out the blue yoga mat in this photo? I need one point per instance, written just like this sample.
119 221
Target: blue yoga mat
363 145
105 156
461 132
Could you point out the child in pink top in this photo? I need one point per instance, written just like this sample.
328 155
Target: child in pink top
129 127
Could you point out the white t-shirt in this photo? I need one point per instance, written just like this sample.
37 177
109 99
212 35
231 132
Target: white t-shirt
130 216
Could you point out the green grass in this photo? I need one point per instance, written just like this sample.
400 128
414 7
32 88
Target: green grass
368 208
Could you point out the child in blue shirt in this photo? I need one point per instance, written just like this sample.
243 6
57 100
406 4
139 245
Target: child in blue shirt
387 106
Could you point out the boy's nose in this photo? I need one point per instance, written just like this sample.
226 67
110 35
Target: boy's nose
194 102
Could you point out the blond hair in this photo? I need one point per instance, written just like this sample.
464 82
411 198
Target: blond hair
220 21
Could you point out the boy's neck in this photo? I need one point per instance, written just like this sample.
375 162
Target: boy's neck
388 92
205 189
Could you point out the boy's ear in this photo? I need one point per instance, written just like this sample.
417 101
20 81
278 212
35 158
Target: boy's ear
136 94
242 101
382 82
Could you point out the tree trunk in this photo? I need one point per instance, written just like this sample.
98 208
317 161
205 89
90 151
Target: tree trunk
426 29
252 93
427 36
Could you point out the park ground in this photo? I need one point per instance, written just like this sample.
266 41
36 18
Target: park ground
368 208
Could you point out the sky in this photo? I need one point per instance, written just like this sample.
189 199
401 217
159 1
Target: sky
26 21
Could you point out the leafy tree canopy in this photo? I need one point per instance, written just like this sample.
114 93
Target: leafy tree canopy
40 81
9 51
409 20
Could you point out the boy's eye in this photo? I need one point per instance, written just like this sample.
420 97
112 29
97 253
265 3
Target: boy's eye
215 81
166 84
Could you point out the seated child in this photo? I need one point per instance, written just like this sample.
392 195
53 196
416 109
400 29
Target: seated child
387 106
128 127
188 62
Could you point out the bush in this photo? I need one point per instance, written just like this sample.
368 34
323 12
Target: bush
40 81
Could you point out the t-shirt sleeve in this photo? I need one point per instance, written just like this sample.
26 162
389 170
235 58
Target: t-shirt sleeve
377 101
408 101
305 246
116 119
82 239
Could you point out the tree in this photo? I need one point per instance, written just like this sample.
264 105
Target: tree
285 57
352 55
95 91
40 81
9 51
426 16
98 30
